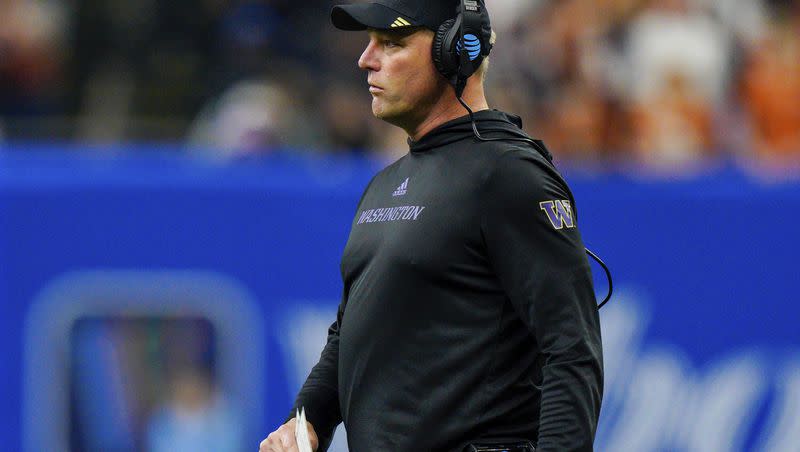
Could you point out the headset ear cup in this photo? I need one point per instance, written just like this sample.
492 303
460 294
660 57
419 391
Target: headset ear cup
443 58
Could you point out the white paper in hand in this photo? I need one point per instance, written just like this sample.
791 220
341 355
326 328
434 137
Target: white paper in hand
301 432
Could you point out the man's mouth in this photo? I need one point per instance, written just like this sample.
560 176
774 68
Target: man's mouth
375 89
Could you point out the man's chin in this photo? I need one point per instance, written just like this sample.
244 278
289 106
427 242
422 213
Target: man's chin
382 113
377 108
386 114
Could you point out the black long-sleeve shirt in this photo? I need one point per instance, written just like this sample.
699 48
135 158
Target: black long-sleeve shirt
468 310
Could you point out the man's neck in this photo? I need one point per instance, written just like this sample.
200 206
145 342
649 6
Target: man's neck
447 111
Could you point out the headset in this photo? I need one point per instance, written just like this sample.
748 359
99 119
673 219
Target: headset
461 44
459 48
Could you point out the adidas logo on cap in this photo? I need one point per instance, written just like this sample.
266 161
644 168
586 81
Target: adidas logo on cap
400 22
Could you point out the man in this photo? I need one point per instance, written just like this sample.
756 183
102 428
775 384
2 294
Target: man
468 312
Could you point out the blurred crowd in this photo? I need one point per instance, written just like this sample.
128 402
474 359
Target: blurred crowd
662 82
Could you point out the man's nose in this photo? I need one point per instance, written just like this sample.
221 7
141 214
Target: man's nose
368 59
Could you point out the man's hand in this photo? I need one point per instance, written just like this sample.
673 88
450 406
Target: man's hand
282 439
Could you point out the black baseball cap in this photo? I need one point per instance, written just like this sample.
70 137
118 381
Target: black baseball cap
391 14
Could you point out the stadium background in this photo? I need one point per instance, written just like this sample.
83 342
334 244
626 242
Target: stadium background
177 180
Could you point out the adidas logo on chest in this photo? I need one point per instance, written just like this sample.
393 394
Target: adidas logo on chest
402 189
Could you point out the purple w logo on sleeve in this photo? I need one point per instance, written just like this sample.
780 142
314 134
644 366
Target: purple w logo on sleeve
559 212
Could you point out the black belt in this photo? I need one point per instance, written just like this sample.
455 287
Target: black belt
500 445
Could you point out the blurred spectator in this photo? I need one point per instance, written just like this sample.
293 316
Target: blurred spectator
33 47
678 72
577 127
771 90
251 117
674 126
133 378
194 418
670 37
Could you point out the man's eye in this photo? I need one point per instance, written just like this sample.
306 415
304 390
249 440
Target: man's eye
389 43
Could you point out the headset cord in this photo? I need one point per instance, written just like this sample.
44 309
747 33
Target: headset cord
547 155
539 148
608 276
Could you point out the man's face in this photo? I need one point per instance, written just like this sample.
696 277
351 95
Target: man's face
402 78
